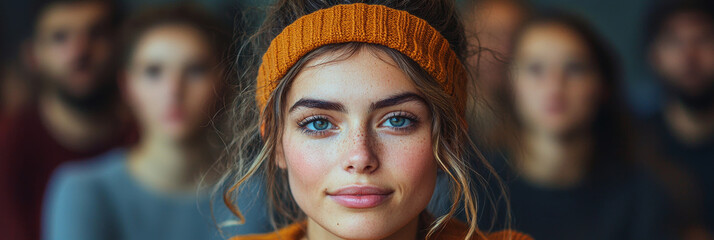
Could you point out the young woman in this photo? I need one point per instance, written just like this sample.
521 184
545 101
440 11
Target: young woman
359 108
173 78
572 173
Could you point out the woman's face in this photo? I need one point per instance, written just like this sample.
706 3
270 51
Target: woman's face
357 146
556 84
171 81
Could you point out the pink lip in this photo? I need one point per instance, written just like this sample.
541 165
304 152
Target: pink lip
555 108
174 115
360 196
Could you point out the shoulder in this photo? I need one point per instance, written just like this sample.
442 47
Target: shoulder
96 168
457 230
77 204
291 232
83 177
508 235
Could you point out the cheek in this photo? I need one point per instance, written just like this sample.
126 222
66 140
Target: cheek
55 59
65 52
583 98
145 101
411 156
669 60
411 163
528 97
707 59
200 98
308 164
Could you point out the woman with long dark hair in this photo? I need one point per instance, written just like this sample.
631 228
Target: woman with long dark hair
571 169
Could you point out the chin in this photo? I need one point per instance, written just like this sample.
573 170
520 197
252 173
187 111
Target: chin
555 129
178 135
360 232
358 226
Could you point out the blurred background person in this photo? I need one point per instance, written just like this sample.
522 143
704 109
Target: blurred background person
680 41
570 170
15 89
174 78
490 26
75 115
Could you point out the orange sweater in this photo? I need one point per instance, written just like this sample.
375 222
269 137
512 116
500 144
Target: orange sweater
454 230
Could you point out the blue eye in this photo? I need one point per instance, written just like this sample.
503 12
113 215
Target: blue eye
318 125
398 122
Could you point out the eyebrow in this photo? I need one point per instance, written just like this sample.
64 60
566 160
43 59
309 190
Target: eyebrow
326 105
314 103
396 100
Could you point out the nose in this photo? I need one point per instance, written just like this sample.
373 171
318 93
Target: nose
692 55
555 80
361 158
176 87
79 49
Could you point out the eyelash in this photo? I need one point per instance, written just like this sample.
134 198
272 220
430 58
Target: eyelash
303 125
402 114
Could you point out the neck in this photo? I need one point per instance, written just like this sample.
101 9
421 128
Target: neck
690 127
555 161
73 129
315 231
170 166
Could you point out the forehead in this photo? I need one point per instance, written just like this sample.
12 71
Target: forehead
72 15
495 14
367 76
551 39
172 40
688 21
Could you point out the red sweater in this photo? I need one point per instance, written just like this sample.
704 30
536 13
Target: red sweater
28 156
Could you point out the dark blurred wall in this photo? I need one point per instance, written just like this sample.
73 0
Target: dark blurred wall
15 26
224 9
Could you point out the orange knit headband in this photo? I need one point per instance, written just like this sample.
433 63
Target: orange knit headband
360 22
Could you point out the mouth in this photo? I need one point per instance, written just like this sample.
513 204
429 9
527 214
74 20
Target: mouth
360 197
555 108
174 115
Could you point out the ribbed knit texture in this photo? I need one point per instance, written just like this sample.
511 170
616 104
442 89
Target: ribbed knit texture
359 22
